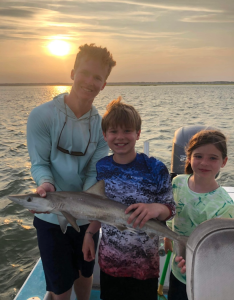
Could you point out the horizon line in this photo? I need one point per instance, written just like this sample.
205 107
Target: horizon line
120 83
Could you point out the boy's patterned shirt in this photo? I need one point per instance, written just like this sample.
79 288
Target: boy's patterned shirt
194 208
145 180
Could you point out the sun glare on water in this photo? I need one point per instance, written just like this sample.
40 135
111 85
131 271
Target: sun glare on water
59 48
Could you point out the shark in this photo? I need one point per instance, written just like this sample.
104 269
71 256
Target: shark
93 204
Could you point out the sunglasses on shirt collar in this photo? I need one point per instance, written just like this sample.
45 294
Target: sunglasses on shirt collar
74 153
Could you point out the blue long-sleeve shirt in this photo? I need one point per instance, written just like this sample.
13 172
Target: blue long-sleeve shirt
144 180
64 171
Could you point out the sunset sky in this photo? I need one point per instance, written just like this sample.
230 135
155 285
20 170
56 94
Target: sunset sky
151 40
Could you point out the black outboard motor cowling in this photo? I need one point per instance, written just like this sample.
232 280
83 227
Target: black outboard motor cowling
181 139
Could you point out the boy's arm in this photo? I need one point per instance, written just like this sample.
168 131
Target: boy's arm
88 247
145 211
39 148
39 145
164 209
100 152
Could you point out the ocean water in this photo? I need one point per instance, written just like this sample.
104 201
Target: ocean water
163 110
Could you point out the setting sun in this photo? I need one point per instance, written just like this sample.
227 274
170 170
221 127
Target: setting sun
59 48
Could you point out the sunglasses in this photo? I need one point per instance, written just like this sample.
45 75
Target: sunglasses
74 153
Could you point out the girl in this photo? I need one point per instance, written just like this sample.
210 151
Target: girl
198 197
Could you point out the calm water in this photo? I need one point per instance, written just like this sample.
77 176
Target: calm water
163 110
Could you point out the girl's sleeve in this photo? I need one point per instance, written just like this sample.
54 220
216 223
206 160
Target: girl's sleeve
226 212
39 144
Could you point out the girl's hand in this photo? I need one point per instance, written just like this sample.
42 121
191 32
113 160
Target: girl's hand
168 245
88 247
143 212
181 264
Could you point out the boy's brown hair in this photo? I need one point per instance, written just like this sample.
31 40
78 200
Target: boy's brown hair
204 137
95 52
120 114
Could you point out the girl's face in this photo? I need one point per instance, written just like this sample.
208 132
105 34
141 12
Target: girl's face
206 161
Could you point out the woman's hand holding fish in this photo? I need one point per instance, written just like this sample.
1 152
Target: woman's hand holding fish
143 212
41 190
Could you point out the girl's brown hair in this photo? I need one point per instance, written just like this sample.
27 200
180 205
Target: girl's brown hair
120 114
204 137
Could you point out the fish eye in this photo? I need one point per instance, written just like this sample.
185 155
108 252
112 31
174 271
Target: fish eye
29 199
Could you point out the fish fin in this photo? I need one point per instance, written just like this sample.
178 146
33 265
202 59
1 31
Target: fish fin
121 227
97 189
63 223
124 227
133 230
70 219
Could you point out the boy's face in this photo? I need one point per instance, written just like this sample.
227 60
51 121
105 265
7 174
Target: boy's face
122 141
89 79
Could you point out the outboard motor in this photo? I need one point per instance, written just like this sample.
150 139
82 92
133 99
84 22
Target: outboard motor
181 138
210 261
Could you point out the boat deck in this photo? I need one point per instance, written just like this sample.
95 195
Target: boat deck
34 287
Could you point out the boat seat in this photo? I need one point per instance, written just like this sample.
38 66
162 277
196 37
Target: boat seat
210 261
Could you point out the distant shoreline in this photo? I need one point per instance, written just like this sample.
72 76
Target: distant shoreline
126 83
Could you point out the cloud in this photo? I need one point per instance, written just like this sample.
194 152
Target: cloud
210 18
16 13
149 32
73 18
161 6
103 16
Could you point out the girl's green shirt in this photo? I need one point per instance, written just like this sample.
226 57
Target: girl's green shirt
194 208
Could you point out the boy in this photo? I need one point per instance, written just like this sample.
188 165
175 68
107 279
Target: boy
65 141
129 262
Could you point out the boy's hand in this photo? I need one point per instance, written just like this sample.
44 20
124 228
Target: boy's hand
88 247
181 264
41 190
168 245
143 212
